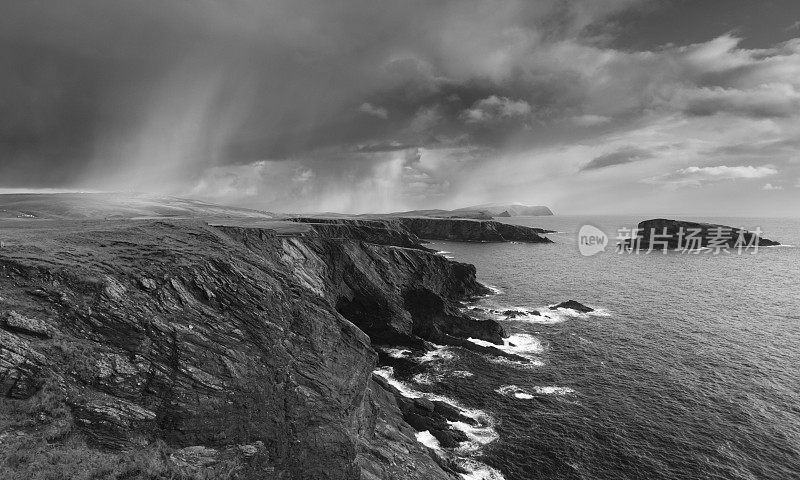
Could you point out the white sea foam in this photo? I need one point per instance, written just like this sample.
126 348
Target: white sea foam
461 374
425 378
514 391
530 364
397 352
522 394
553 390
566 313
478 470
495 290
541 315
479 415
477 436
440 352
388 374
520 344
428 440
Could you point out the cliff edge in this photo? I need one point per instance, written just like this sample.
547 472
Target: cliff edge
176 349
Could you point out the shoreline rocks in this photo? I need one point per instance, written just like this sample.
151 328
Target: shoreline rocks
573 305
209 337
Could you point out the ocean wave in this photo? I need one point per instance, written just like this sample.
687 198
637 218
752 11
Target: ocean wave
478 435
494 289
426 378
523 394
397 352
521 344
514 391
428 440
440 352
566 313
478 470
542 315
530 364
388 374
461 374
553 390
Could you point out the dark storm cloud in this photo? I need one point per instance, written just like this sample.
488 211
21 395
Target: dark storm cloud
93 84
344 104
620 157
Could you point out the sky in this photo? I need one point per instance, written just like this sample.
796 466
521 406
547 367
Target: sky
588 106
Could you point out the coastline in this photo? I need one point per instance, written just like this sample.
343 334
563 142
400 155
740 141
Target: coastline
193 335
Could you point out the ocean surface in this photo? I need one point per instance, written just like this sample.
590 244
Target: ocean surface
689 369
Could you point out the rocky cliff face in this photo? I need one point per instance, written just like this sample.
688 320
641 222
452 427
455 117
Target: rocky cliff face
467 230
234 346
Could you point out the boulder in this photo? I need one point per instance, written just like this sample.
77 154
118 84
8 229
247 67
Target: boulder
573 305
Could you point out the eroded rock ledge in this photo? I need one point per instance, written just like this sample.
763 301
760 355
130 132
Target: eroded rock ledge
407 231
255 346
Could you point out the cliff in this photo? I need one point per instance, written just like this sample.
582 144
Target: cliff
664 233
466 230
175 347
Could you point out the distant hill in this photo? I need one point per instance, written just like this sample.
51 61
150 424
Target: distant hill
79 206
477 212
513 209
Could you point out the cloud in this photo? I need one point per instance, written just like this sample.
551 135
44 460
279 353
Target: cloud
769 186
239 101
764 101
590 120
698 176
494 108
620 157
370 109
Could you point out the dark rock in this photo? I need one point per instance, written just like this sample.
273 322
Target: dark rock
148 284
573 305
503 214
450 438
424 404
17 323
247 335
465 230
20 367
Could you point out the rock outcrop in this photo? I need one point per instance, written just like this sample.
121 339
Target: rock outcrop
466 230
660 234
573 305
229 343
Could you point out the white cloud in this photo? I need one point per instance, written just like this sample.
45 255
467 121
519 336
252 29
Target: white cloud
763 101
698 176
590 120
770 186
495 108
373 110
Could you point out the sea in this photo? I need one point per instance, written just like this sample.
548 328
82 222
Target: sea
689 367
